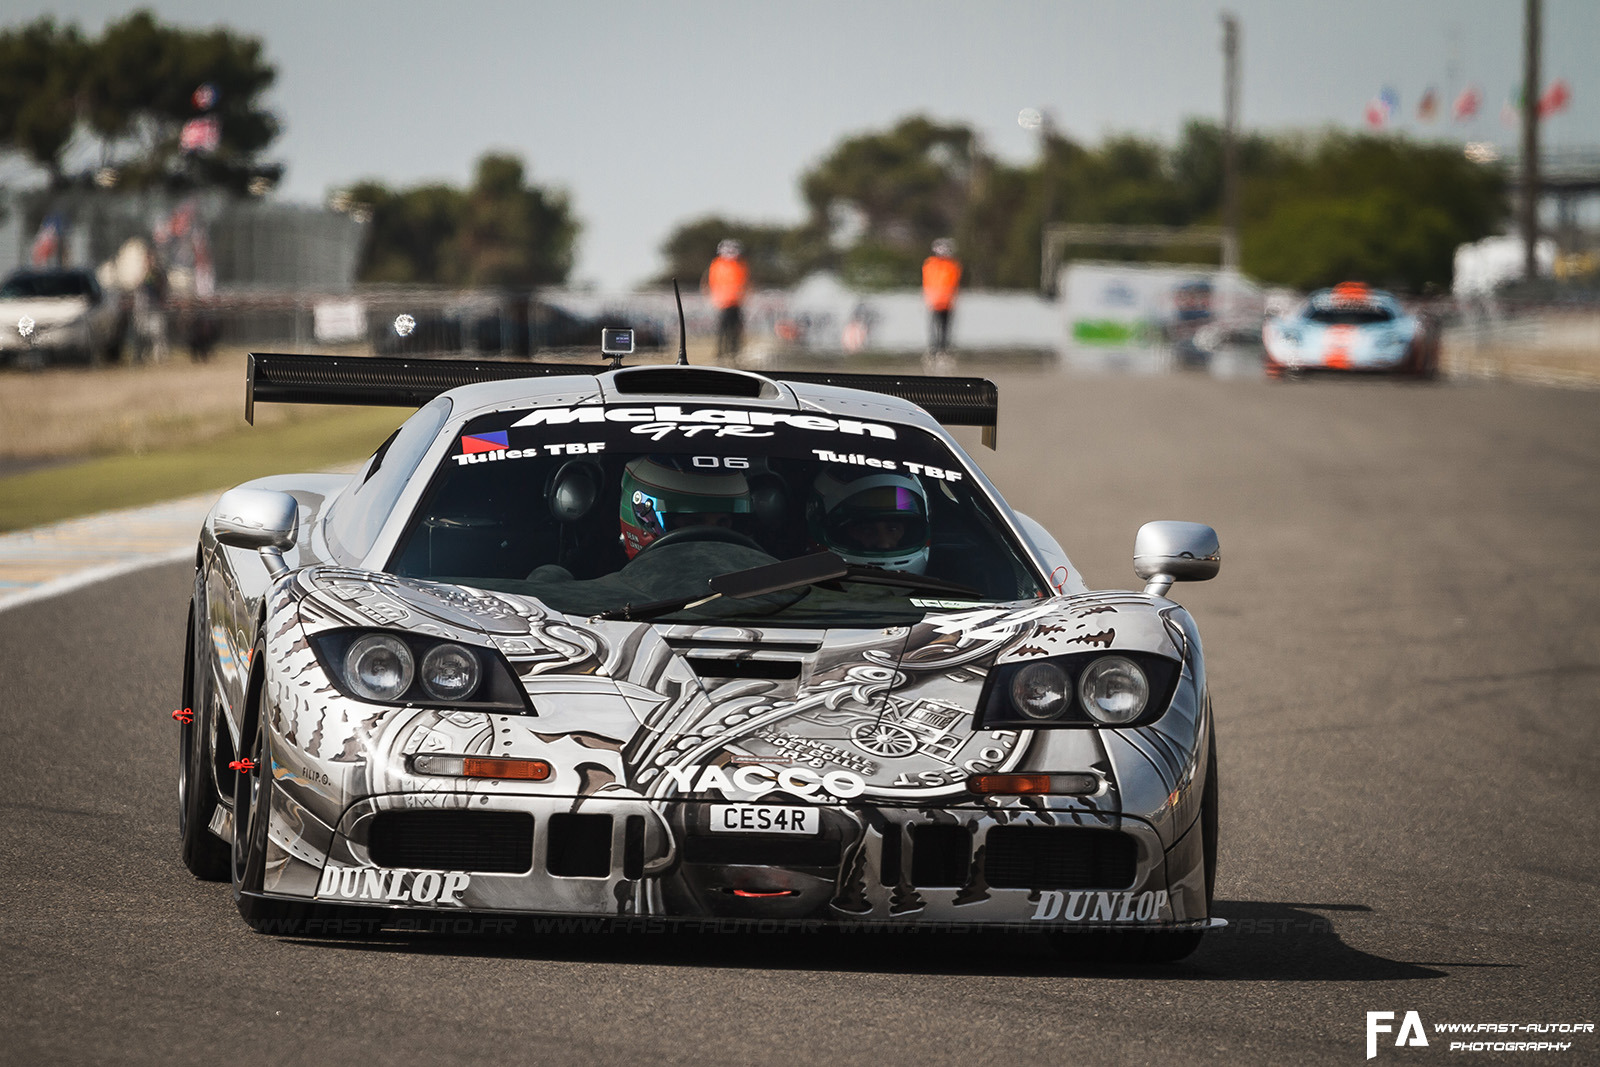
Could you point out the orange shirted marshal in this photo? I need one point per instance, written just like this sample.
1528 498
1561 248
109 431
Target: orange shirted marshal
941 276
727 280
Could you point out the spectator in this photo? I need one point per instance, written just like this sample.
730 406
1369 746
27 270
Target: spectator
726 282
941 276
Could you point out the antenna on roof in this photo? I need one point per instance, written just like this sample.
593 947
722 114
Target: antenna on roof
683 332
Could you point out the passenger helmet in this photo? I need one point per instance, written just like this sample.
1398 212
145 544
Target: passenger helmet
879 520
664 493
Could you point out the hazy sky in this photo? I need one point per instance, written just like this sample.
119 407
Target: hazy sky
650 113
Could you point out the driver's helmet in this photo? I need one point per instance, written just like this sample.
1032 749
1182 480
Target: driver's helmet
665 493
729 248
944 247
879 520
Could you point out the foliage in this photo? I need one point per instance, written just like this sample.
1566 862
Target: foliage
1313 210
500 232
895 193
777 255
131 90
41 69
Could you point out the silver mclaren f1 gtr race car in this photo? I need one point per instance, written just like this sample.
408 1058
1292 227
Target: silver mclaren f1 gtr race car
674 645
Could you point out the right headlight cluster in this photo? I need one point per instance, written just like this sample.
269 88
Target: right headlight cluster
392 667
1085 689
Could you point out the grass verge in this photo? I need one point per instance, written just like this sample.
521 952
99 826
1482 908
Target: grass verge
311 442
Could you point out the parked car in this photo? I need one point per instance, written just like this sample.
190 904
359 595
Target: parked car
58 316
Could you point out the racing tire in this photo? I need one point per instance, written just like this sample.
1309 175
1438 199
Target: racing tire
252 812
203 853
1139 947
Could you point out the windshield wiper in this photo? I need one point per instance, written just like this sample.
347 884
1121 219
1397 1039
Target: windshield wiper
789 574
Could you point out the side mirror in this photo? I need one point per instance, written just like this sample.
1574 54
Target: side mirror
262 519
1167 552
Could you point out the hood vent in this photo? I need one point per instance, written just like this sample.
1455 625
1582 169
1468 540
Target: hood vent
692 381
715 667
711 644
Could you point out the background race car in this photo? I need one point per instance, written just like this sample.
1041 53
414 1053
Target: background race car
1351 327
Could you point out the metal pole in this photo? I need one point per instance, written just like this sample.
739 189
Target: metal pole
1530 137
1230 126
1047 281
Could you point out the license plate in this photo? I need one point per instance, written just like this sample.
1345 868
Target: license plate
764 819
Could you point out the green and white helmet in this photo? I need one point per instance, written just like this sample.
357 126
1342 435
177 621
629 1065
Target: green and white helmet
664 493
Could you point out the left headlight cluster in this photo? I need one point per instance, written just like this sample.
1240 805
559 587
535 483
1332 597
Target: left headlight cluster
1085 689
389 667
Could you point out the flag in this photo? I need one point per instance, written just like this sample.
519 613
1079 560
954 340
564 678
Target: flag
200 135
1376 114
1391 101
482 442
1467 103
1555 99
1428 106
46 249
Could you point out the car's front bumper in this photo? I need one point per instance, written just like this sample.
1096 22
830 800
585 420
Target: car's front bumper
632 859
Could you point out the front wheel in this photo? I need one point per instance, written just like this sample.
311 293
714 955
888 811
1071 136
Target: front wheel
252 811
203 853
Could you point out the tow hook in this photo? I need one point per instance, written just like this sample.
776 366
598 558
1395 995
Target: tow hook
184 715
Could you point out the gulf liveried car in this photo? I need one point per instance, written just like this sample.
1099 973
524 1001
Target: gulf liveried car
1351 327
686 644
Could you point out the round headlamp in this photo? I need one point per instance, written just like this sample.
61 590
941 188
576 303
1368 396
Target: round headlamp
1114 690
378 667
449 672
1041 691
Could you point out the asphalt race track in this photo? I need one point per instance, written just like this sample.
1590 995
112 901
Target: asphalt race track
1404 647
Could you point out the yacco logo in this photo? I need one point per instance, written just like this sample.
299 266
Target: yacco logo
1411 1032
1080 906
757 779
662 419
439 888
472 443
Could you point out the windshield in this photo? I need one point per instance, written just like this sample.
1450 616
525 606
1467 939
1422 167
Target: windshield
33 286
1337 310
591 509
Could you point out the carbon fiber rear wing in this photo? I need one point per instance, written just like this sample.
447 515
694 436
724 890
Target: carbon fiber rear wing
388 381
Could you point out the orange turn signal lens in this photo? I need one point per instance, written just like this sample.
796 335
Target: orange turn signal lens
524 770
530 770
1036 784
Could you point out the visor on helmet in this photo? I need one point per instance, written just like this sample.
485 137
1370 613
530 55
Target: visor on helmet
660 494
885 520
879 519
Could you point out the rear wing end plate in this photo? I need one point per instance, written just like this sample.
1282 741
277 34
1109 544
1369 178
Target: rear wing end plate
275 377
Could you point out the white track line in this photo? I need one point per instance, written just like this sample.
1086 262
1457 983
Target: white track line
50 560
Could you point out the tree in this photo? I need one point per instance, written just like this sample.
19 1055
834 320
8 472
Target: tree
1380 209
777 255
512 233
887 196
502 231
132 90
410 231
1315 210
41 69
